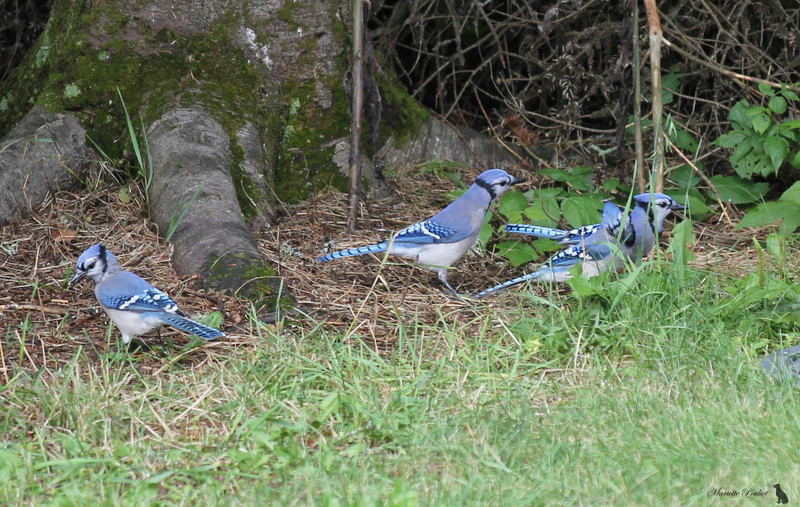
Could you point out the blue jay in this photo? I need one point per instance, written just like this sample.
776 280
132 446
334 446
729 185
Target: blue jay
443 239
135 306
596 246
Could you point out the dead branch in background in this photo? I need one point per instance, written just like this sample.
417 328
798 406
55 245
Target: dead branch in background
639 168
560 67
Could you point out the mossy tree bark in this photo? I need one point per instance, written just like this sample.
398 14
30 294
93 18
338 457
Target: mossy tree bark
242 103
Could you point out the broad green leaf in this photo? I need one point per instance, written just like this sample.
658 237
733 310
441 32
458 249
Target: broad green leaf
684 176
543 193
768 213
786 133
777 148
760 123
744 147
580 210
794 124
737 116
776 245
544 211
683 239
213 319
124 195
697 206
738 191
517 252
684 140
766 89
790 222
789 94
792 194
756 110
545 245
777 104
486 230
581 286
730 139
669 83
579 178
512 204
613 184
795 161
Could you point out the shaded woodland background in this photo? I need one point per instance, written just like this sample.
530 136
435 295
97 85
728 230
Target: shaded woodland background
556 73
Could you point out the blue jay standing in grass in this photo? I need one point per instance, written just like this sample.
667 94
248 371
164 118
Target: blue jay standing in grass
600 247
135 306
440 241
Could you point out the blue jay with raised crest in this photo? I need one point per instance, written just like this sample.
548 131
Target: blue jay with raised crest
600 247
134 306
440 241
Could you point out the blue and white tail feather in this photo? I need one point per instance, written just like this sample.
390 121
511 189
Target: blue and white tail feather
599 247
559 235
190 326
439 242
135 306
351 252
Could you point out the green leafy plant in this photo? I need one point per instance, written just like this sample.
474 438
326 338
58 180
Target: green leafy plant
761 140
784 209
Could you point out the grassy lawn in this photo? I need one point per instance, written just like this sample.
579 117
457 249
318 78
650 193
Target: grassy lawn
646 392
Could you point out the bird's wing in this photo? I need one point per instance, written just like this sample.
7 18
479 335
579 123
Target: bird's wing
428 231
127 291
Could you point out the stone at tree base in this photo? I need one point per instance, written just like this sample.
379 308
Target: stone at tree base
783 365
438 140
45 152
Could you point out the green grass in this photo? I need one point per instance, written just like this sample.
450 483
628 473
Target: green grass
646 391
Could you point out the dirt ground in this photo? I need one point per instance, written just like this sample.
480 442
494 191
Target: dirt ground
44 323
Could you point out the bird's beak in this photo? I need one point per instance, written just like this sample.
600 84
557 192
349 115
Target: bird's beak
677 206
517 181
77 278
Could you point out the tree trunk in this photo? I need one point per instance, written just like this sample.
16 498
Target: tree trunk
242 104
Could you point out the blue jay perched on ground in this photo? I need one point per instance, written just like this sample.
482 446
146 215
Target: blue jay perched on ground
135 306
440 241
596 245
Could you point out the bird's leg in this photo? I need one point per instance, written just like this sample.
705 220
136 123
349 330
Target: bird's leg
442 274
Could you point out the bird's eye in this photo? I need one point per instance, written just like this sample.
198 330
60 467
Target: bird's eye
89 265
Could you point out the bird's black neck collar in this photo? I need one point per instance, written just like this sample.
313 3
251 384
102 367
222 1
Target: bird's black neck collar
487 187
102 257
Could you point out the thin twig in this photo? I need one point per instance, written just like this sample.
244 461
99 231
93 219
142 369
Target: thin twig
637 102
722 70
703 177
356 112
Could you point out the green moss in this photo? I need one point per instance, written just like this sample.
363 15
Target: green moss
209 68
250 278
299 150
288 13
401 115
247 192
